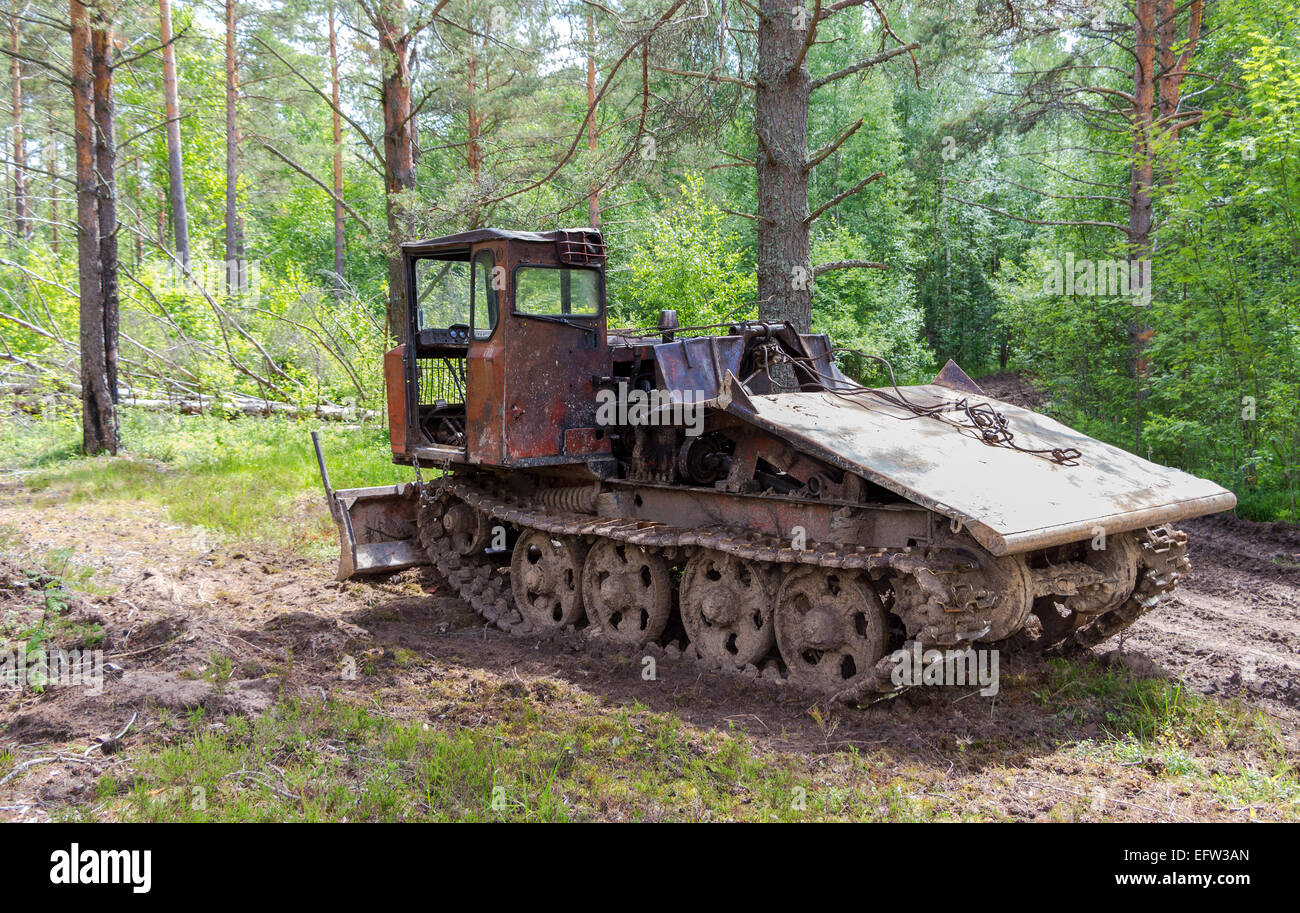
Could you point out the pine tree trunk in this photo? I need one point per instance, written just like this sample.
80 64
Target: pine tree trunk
399 150
106 194
473 121
781 124
340 236
99 421
53 167
1141 180
593 198
234 229
22 227
172 106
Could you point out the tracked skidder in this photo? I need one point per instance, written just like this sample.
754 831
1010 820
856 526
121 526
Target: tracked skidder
730 491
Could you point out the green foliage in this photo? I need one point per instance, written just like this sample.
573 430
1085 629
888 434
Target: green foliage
873 311
247 479
687 259
1220 391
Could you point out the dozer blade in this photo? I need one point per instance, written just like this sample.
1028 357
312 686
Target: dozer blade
377 526
377 532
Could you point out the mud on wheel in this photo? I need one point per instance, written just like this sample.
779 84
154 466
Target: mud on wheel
831 628
726 607
627 590
832 621
546 579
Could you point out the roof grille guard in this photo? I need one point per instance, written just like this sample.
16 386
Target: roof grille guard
580 248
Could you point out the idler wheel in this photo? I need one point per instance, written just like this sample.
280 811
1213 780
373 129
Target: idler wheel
468 529
1118 563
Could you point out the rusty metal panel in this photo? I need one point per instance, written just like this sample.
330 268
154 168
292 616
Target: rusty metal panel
955 378
586 441
485 370
395 386
548 368
779 516
698 363
1010 501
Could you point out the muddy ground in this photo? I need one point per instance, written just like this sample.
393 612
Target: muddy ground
171 600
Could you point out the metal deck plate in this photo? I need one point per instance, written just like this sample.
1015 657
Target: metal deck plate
1009 501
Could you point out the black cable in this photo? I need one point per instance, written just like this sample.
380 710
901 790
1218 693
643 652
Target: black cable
982 421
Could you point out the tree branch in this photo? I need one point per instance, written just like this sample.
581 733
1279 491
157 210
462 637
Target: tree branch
841 197
1074 222
847 264
317 181
826 151
864 64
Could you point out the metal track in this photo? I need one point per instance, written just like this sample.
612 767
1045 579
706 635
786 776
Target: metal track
1164 564
481 584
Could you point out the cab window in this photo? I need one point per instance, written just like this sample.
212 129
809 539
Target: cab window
486 308
545 290
444 292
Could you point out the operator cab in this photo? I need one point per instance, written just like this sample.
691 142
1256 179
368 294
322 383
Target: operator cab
499 322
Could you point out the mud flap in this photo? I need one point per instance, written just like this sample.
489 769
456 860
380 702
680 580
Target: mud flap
377 526
377 531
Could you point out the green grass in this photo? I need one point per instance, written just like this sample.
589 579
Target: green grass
308 761
239 478
1234 752
544 751
47 585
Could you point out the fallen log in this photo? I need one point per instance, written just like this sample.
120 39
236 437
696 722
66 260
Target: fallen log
27 399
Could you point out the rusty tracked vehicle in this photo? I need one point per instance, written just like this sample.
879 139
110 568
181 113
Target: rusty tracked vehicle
730 489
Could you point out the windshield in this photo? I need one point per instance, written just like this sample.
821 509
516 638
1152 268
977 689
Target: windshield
444 290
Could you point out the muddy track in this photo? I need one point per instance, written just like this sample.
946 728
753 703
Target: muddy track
1234 626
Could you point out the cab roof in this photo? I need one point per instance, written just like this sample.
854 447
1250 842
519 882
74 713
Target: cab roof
466 238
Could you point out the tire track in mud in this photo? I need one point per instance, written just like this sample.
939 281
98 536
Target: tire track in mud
1235 626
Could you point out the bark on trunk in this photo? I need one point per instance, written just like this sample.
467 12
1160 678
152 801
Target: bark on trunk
52 157
1161 67
399 150
593 198
1140 183
106 193
473 119
22 226
781 124
234 227
340 236
99 421
171 103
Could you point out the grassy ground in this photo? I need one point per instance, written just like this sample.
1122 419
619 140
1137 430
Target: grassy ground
237 478
548 752
470 744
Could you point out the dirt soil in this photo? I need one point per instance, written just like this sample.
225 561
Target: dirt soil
1013 388
171 601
